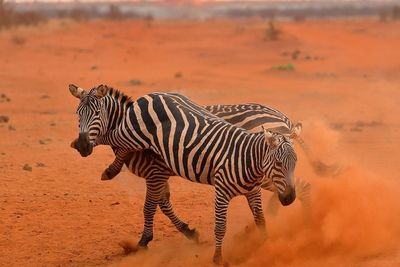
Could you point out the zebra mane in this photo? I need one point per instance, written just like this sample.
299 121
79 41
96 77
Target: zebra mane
117 94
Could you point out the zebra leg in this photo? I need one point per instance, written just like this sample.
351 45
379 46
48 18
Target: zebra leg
116 166
154 190
273 204
221 208
166 208
255 204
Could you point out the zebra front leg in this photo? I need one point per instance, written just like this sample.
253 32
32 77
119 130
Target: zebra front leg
166 208
154 187
149 210
115 168
221 208
255 203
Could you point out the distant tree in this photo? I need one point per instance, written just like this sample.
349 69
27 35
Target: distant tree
396 12
272 33
6 15
115 12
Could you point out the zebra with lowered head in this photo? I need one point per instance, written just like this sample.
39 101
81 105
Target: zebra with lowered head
193 143
147 164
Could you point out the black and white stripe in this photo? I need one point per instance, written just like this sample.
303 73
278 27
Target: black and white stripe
194 144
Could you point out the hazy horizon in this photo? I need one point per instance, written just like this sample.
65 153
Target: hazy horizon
197 1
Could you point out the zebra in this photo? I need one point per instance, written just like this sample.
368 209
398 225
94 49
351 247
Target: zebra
248 116
193 143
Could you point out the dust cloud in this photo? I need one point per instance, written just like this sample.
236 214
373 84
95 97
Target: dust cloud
352 216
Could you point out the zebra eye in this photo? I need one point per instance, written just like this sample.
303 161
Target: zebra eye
97 112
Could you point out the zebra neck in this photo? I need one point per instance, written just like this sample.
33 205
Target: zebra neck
257 153
116 110
267 159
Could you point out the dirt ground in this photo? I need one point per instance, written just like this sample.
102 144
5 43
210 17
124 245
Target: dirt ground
345 89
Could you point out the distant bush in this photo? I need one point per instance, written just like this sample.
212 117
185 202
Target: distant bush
390 14
79 14
9 17
115 12
272 33
149 20
299 17
29 18
383 16
6 14
135 82
285 67
18 40
396 12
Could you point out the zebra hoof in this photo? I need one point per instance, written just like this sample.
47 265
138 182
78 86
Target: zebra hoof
218 261
129 247
104 176
192 234
107 175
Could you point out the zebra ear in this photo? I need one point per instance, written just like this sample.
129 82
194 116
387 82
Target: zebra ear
76 91
296 130
271 140
101 91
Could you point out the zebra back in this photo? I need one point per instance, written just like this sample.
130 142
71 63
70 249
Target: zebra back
253 117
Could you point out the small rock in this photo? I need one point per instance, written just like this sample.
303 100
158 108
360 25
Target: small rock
44 97
40 164
178 75
4 119
11 128
295 54
115 203
44 141
4 98
27 167
52 124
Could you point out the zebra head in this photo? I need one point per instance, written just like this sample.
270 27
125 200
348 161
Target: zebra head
281 163
93 119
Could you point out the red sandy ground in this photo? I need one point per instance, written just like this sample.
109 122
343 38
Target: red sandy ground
347 96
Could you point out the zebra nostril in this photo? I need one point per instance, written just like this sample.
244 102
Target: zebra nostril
83 144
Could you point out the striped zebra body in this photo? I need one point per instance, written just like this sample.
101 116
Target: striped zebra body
151 166
252 117
201 147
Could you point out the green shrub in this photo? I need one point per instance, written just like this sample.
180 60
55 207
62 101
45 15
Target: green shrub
285 67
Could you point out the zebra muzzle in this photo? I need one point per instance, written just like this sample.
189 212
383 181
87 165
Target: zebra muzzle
83 145
286 198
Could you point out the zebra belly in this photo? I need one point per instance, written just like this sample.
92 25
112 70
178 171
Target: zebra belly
146 163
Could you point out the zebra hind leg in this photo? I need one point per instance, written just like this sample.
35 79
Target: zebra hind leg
166 208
